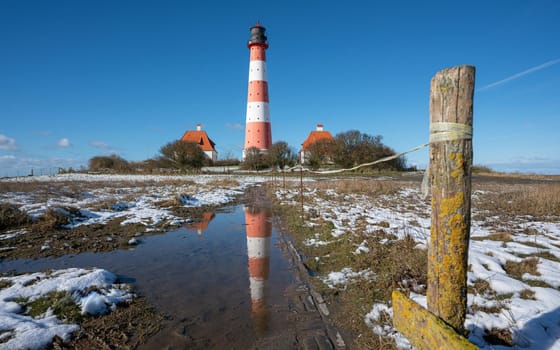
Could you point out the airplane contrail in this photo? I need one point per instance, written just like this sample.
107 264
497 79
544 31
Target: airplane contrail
520 74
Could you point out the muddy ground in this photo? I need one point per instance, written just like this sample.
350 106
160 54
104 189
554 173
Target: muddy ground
125 328
95 238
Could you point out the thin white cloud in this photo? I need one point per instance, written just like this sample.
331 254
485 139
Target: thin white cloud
527 164
7 158
21 166
7 143
235 126
519 75
99 144
63 143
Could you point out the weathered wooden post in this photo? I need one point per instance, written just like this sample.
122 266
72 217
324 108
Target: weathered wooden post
301 188
451 111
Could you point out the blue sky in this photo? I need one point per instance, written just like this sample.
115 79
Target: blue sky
86 78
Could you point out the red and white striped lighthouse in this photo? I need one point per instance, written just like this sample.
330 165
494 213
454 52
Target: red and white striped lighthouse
259 230
257 129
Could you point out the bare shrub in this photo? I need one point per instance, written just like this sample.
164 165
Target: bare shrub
481 169
12 217
109 163
182 155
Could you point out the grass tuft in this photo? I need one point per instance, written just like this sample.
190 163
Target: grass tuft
527 294
51 220
12 217
61 304
5 284
497 336
518 269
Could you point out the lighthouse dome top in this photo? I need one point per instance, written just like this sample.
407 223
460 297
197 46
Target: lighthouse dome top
258 36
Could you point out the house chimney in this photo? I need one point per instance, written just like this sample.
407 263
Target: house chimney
198 127
319 127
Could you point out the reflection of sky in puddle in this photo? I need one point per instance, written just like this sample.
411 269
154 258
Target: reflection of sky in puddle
217 287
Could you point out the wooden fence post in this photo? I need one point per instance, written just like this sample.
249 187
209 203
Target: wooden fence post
451 112
441 326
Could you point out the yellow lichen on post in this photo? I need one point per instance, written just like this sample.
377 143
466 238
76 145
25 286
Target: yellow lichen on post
424 330
450 170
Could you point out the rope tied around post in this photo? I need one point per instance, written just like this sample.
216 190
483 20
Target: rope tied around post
442 132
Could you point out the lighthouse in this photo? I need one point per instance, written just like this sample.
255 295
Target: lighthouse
257 123
259 229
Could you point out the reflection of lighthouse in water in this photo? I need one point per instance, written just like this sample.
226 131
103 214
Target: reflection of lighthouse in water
259 229
200 225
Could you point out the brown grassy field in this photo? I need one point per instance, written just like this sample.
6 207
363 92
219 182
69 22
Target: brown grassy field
400 262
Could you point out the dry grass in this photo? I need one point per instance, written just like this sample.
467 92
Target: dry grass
11 217
521 176
362 186
538 200
501 301
74 189
480 286
527 294
545 254
227 183
498 236
5 284
396 264
518 269
51 220
498 336
533 244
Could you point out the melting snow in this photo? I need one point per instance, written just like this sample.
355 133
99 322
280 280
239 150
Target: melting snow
95 206
19 331
130 201
533 320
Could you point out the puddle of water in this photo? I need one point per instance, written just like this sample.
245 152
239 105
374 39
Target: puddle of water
219 281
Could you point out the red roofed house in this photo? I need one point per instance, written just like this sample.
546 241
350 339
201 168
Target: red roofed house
314 136
200 137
